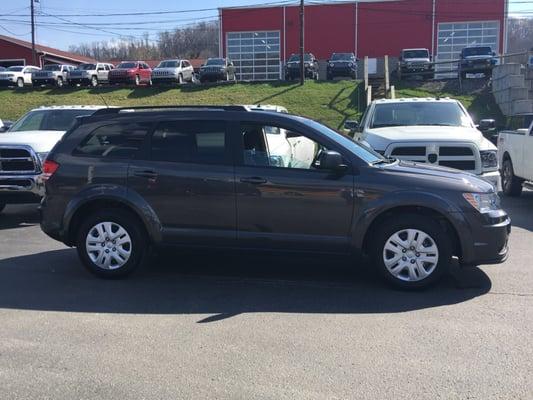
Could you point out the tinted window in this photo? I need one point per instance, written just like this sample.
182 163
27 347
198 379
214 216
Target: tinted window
415 54
52 68
168 64
114 141
477 51
49 120
15 69
87 67
341 57
215 61
201 142
127 65
296 57
423 113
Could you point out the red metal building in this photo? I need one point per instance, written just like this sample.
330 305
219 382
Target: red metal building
18 52
260 39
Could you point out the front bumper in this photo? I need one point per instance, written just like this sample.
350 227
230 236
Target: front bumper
295 73
44 81
20 189
7 82
164 79
121 79
79 81
212 76
341 71
490 236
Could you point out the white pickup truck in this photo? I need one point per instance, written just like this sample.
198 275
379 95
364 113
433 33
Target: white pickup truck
515 153
24 147
427 130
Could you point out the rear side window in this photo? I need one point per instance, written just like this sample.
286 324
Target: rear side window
199 142
114 141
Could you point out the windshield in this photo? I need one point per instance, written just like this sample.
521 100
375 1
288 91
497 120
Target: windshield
423 113
477 51
363 152
48 120
215 61
416 54
341 57
52 68
169 64
127 65
15 69
296 57
87 67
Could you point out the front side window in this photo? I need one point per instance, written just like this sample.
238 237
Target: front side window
419 113
272 146
49 120
127 65
114 141
342 57
198 142
215 61
52 67
415 54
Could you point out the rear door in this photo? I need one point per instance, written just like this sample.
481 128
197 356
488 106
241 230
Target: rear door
187 177
528 151
101 72
284 201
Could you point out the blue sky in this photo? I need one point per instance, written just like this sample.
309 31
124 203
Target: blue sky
61 33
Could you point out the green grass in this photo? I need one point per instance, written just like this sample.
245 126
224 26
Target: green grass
329 102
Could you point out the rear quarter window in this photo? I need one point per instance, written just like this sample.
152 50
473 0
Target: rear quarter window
121 140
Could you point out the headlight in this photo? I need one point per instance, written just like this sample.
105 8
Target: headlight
331 64
350 64
42 157
483 202
306 64
489 159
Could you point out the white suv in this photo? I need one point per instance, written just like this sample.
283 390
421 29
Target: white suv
90 74
18 75
173 71
428 130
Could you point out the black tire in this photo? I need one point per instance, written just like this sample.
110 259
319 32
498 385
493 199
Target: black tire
427 225
180 79
133 228
511 184
137 80
94 81
59 82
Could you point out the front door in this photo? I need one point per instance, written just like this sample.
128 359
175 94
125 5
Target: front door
187 177
284 200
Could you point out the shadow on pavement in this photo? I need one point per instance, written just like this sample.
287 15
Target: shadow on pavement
520 209
221 285
19 216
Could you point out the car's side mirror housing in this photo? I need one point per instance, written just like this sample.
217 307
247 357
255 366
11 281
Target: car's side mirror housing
351 125
331 160
5 125
486 125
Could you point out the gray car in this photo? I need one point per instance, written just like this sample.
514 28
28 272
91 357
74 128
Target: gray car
52 74
173 71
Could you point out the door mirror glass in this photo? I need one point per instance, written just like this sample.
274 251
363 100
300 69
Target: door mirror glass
330 160
351 125
486 125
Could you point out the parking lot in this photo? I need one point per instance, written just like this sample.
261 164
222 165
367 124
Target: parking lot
197 325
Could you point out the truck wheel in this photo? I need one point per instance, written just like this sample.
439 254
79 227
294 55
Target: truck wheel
59 82
411 251
94 81
20 83
110 243
137 80
180 79
511 184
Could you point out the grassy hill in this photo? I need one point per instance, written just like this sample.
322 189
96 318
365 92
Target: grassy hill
329 102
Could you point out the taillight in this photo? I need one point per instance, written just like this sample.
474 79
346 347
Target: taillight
49 168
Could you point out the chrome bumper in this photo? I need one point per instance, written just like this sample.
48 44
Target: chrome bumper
13 187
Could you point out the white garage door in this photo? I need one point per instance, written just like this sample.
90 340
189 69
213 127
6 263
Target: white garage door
256 55
453 37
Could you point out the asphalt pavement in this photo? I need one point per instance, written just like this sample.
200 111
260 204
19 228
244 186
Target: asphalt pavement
201 325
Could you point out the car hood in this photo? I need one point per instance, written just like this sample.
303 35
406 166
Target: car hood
39 141
440 177
380 138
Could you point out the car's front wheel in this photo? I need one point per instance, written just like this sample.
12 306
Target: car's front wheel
411 251
111 243
20 83
511 184
94 81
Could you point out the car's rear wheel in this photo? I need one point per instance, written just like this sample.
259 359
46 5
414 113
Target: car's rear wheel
111 243
137 80
511 184
20 83
59 82
94 81
180 79
411 251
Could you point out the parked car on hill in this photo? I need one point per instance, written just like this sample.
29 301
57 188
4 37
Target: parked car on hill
292 68
18 75
52 74
208 177
217 69
425 130
515 154
415 62
475 60
25 146
3 69
173 71
131 72
342 64
90 74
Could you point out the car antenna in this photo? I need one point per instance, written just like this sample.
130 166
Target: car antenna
103 99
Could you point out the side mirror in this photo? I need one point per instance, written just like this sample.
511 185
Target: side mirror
486 125
351 125
5 125
494 53
330 160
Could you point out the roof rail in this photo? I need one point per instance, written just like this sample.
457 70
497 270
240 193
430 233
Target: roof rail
117 110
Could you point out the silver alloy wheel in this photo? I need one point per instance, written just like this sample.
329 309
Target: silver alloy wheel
108 245
94 81
59 82
137 80
20 82
180 79
507 174
410 255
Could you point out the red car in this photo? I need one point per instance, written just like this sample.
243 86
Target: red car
136 72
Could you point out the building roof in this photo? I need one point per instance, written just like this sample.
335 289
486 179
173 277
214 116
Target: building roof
48 50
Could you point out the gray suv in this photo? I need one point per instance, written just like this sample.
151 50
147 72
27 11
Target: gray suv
123 180
52 74
415 62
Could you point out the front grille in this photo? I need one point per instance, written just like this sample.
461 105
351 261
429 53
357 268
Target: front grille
25 183
16 160
455 151
459 164
406 151
211 69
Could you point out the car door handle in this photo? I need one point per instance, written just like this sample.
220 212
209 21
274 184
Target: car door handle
145 174
254 180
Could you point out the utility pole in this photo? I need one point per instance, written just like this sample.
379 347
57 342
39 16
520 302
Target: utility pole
33 55
302 67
